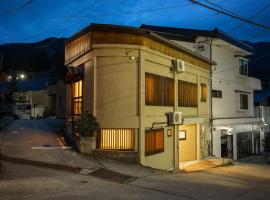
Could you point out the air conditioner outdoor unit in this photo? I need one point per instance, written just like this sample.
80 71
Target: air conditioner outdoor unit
175 118
178 66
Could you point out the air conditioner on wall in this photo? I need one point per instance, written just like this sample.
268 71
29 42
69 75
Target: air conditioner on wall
178 66
175 118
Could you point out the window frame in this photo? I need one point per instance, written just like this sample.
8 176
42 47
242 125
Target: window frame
77 99
244 103
154 132
218 94
243 67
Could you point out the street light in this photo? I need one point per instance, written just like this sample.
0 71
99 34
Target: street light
22 76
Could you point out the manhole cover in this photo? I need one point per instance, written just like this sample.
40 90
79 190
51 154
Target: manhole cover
112 176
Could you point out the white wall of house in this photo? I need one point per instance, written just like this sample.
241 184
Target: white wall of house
226 78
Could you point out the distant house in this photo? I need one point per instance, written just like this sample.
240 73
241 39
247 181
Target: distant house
30 104
236 131
150 95
30 100
56 99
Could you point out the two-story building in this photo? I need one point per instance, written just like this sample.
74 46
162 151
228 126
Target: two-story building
131 80
236 132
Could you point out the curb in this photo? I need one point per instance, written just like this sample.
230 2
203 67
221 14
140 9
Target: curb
40 164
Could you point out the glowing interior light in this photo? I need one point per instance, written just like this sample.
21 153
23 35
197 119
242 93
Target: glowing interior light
22 76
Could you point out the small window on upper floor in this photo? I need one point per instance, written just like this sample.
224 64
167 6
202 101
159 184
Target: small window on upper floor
243 67
216 93
243 102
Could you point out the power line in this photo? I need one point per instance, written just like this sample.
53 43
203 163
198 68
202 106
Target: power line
114 14
231 15
218 6
256 14
259 58
17 8
65 20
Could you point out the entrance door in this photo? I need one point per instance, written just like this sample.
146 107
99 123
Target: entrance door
227 146
187 143
244 144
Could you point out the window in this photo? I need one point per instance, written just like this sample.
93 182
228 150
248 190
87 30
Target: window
243 67
154 141
203 92
77 97
159 90
22 99
187 94
116 139
243 101
216 93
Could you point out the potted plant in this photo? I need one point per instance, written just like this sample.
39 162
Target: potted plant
87 127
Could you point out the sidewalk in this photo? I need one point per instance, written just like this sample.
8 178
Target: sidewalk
205 164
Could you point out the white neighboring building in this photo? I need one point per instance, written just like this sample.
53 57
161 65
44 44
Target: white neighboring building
262 110
236 132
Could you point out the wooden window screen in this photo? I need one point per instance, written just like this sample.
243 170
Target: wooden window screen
154 141
159 90
203 92
116 139
77 97
187 94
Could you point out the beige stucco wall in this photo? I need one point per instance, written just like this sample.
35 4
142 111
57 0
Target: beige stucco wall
114 87
160 64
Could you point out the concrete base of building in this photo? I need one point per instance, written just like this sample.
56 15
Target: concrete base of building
126 156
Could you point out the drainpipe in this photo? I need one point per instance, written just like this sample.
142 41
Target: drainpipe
174 127
211 102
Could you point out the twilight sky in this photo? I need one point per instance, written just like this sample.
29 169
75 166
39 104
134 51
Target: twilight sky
40 19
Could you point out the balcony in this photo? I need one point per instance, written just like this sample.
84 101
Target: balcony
253 83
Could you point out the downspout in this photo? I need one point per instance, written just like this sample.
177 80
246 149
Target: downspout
211 102
174 127
139 65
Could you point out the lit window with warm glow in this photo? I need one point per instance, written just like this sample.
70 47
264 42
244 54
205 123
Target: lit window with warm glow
203 92
116 139
77 97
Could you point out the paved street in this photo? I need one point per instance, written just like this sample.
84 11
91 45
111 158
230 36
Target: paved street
19 181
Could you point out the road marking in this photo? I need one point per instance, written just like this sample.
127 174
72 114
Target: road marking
49 148
61 141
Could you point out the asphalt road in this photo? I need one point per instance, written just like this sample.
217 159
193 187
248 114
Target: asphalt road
241 181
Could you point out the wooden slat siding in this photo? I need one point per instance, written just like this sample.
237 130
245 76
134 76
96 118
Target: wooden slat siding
100 37
77 47
187 94
116 139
